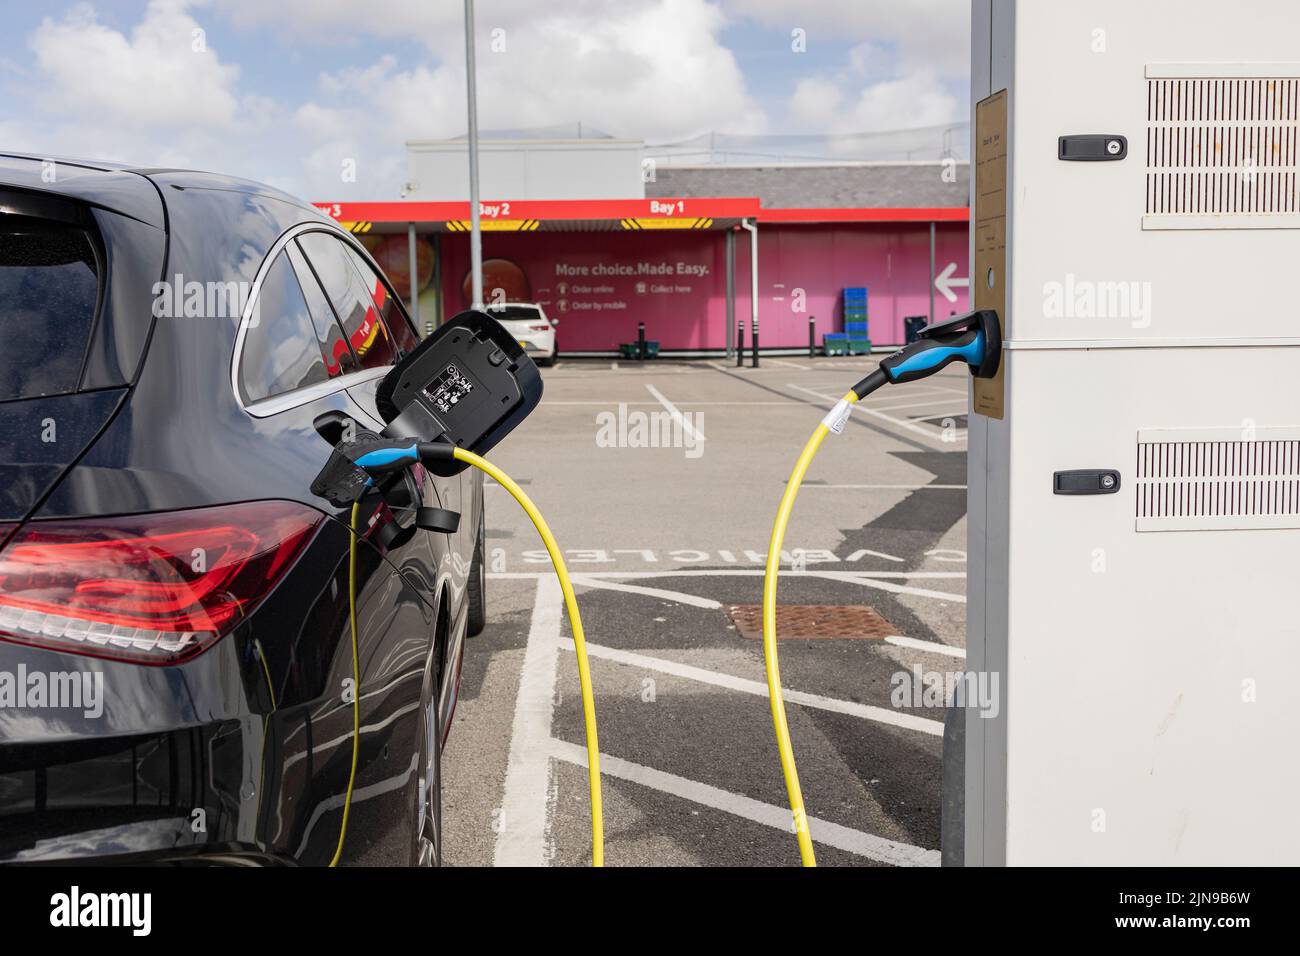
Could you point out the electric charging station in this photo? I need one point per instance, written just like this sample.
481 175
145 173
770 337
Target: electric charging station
1134 466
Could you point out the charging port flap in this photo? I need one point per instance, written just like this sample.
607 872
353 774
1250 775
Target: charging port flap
469 383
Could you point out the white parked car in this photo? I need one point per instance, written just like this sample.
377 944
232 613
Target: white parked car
528 323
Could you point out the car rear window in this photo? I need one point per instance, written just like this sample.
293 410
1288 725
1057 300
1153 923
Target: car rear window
49 284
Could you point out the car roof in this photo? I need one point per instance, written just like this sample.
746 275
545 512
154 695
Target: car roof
132 190
113 188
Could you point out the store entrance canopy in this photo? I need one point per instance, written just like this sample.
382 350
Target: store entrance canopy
555 215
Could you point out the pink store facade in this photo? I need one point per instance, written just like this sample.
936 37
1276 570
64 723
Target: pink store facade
681 266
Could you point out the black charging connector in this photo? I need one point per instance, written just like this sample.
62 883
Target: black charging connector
468 384
465 386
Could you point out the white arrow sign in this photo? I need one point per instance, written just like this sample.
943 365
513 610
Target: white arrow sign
945 283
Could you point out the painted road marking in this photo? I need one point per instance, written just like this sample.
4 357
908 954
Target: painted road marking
614 404
931 646
728 572
692 599
879 715
945 400
933 434
809 484
893 588
884 395
677 415
525 800
822 831
868 580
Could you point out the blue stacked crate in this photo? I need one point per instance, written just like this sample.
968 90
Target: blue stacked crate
853 340
835 343
855 320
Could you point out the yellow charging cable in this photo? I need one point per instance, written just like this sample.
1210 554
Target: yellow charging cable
579 641
777 701
356 678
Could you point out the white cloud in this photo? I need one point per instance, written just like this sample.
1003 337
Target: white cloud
928 34
818 102
909 66
161 74
657 69
649 70
157 93
915 100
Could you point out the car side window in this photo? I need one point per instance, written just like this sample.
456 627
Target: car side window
389 311
357 313
281 352
338 356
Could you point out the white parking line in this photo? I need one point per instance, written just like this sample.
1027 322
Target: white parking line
893 588
879 715
822 831
932 646
865 579
912 390
808 484
730 573
692 599
614 404
944 400
676 413
929 432
524 801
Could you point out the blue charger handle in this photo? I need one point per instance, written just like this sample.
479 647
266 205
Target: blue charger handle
926 356
389 455
386 456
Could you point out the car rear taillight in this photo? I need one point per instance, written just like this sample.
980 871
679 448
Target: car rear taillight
153 588
539 328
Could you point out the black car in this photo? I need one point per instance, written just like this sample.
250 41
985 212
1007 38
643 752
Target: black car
175 604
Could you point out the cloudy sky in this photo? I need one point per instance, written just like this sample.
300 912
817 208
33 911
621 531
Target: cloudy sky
292 91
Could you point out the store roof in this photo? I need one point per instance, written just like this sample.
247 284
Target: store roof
843 186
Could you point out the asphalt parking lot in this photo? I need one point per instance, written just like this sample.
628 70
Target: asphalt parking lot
662 541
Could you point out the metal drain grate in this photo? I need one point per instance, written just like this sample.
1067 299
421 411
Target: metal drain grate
813 622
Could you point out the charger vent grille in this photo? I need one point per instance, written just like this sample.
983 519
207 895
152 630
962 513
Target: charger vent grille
1223 148
1206 481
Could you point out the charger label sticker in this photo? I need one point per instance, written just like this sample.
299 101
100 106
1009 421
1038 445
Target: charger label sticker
449 388
838 416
